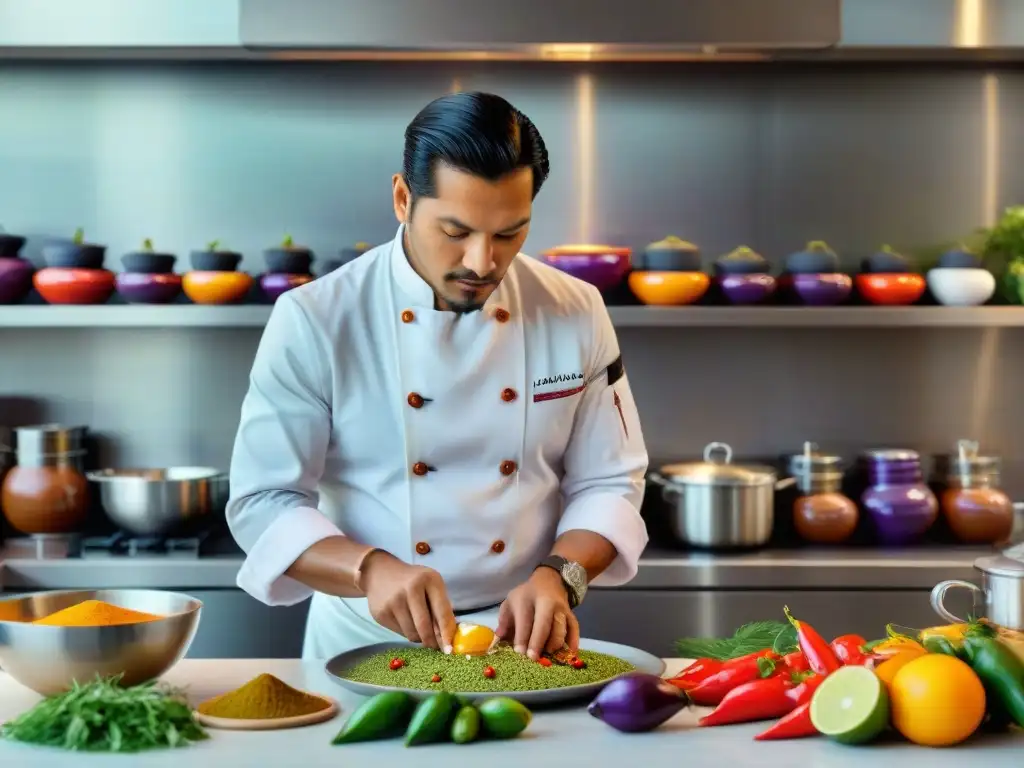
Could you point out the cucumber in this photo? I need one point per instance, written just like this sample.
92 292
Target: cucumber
430 722
466 725
379 717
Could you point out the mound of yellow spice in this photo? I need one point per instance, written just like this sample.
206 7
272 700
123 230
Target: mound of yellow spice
262 698
96 613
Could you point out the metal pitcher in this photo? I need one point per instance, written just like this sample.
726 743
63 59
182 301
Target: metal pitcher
1002 592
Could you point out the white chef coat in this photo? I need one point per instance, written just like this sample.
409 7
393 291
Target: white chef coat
463 443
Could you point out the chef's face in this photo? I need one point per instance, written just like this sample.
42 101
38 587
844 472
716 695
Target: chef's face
462 240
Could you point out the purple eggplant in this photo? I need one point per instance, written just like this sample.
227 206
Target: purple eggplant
637 702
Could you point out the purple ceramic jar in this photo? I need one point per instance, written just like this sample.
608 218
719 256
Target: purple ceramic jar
276 283
15 279
901 506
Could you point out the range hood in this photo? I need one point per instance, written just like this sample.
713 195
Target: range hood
660 30
540 28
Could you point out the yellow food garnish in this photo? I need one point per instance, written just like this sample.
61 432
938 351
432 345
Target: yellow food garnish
472 640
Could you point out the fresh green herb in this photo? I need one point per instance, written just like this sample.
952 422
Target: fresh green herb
79 237
750 638
147 245
101 716
287 242
213 245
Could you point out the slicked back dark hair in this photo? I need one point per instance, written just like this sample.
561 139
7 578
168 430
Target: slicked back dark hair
477 133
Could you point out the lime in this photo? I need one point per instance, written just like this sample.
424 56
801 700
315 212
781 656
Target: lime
851 706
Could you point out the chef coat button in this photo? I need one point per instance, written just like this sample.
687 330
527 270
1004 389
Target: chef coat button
408 316
420 468
498 547
422 548
508 467
415 399
502 315
508 394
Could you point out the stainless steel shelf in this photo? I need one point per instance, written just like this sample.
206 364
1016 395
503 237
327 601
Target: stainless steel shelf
255 316
135 316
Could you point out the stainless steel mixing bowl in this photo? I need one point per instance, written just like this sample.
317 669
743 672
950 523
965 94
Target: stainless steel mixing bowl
161 502
48 659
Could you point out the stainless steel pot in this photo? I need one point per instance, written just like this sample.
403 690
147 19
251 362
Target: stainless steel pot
718 504
1002 592
160 502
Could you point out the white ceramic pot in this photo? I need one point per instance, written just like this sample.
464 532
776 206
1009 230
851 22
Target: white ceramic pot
960 287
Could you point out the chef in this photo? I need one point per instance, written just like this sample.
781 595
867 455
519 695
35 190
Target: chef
442 430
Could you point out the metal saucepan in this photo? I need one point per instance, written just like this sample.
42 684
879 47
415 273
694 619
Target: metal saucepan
161 502
718 503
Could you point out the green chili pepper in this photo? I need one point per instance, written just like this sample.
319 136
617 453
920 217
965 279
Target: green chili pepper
1001 671
941 645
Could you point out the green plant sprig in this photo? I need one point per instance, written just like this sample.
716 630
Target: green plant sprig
102 716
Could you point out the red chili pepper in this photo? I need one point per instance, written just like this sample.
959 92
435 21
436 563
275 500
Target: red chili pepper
435 679
804 687
847 649
489 672
796 725
760 700
819 654
396 663
796 662
696 673
734 673
544 661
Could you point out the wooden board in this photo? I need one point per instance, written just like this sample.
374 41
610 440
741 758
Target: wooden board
271 724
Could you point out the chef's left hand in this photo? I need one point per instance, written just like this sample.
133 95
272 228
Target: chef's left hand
538 616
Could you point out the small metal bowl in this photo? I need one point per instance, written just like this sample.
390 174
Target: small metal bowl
161 502
49 659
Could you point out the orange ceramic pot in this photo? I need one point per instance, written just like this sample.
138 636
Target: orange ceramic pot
891 289
669 288
216 287
70 285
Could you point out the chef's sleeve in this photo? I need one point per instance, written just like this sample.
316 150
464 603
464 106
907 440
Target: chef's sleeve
606 459
279 456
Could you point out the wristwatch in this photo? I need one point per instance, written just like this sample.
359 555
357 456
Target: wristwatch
574 577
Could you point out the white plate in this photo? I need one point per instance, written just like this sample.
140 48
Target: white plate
641 660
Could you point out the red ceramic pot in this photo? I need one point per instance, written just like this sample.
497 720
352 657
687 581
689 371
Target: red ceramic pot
67 285
891 289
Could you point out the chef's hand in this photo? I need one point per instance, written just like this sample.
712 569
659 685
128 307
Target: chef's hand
409 599
537 615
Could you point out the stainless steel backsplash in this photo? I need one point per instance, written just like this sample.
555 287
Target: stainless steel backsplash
767 156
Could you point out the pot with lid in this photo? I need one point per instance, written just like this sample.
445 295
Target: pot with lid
822 514
718 504
975 508
1002 591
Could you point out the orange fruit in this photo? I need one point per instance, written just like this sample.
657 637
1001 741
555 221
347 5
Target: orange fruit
937 700
887 670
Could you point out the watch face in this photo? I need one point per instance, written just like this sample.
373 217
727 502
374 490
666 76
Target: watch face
576 576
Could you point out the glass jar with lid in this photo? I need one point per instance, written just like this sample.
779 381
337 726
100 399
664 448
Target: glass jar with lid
972 503
822 514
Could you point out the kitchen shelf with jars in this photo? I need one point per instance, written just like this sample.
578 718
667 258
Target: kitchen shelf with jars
665 285
889 497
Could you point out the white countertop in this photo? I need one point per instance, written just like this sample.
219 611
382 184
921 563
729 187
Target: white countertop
562 739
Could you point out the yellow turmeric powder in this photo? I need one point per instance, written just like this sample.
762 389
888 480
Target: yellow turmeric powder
262 698
96 613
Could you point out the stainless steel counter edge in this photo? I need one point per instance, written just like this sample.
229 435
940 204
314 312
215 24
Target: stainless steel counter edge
659 570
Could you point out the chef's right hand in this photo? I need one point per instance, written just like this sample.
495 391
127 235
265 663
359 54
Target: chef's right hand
409 599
